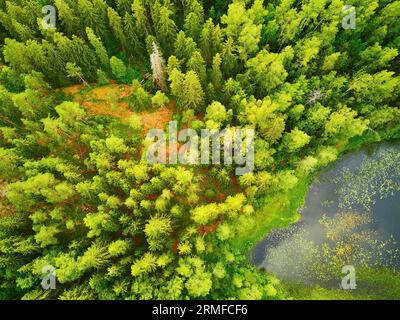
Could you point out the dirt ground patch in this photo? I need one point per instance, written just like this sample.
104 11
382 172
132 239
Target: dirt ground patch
110 100
159 118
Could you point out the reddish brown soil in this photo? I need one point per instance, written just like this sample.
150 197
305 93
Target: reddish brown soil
108 100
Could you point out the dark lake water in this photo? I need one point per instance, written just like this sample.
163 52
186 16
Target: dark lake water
367 182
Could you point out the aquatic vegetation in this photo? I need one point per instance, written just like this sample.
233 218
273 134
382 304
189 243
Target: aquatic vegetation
316 254
376 178
309 255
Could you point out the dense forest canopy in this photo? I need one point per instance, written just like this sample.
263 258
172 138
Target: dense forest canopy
76 192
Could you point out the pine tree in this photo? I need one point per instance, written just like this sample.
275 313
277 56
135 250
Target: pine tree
197 64
159 99
75 50
140 14
229 58
216 74
165 26
115 22
134 45
193 95
101 51
176 79
242 29
91 19
210 40
73 71
118 68
194 19
123 6
193 25
295 140
184 46
156 231
141 99
268 68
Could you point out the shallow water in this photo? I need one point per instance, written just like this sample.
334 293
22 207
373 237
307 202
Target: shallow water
366 181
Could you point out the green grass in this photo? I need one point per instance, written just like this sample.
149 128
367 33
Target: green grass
278 211
372 284
303 292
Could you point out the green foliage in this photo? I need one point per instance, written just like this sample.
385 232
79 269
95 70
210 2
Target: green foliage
73 71
215 114
118 68
140 99
159 99
193 96
295 140
76 191
100 50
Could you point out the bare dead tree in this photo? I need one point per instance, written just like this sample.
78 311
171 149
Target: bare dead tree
158 68
314 96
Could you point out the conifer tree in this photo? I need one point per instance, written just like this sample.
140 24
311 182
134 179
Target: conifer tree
134 45
140 14
184 46
118 68
197 64
115 22
73 71
165 26
101 51
67 17
193 95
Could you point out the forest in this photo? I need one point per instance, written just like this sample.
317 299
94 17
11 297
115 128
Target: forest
83 81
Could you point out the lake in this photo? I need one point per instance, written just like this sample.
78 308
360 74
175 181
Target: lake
352 210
